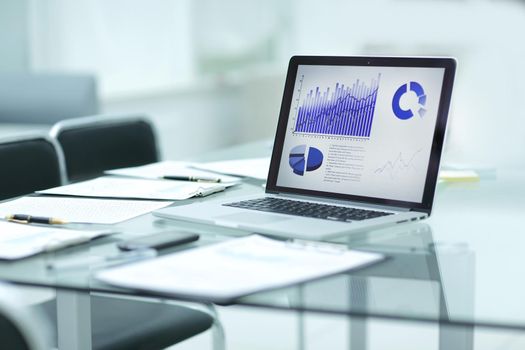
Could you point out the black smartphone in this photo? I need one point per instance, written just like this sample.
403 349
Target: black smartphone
158 240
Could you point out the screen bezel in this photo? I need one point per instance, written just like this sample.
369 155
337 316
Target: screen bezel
449 64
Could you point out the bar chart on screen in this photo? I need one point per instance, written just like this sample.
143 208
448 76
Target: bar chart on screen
344 111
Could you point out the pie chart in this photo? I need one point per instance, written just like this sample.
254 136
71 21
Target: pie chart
304 158
421 100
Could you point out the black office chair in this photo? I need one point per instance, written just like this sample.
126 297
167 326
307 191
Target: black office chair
124 324
94 144
35 162
29 163
21 328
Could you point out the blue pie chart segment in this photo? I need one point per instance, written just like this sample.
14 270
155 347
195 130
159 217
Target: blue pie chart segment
298 159
398 111
297 165
417 88
315 159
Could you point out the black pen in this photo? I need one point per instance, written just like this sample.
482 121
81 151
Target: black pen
191 178
29 219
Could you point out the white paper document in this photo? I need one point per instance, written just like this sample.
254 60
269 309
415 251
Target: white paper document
253 167
80 210
224 271
21 240
126 187
170 168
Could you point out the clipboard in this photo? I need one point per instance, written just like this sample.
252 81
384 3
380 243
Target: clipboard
223 272
136 188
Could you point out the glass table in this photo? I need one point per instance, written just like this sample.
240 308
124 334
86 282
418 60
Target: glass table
460 269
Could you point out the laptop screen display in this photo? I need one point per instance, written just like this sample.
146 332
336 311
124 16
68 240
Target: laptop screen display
361 130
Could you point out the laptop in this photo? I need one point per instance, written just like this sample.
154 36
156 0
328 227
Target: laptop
357 147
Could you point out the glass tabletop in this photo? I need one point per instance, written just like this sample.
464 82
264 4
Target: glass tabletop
464 265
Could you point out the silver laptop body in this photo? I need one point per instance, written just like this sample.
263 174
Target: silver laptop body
354 132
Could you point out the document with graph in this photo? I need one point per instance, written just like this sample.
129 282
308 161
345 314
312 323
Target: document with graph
237 267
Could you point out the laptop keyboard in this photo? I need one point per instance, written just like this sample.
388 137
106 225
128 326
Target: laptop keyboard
307 209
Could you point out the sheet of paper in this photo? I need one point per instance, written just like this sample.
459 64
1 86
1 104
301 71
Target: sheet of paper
237 267
19 240
253 167
169 168
83 210
126 187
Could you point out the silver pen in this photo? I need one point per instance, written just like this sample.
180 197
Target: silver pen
191 178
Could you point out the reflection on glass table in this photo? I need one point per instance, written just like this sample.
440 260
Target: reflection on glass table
461 267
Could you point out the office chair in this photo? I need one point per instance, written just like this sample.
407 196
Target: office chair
21 328
125 324
36 162
30 162
94 144
46 98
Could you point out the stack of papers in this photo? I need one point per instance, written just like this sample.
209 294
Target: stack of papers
254 167
225 271
134 188
19 240
170 168
80 210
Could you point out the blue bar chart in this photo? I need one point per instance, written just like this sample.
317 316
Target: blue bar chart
345 111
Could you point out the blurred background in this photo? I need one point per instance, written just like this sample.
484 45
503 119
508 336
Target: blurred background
211 73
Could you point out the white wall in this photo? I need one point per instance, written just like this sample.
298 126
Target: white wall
14 39
485 36
151 51
133 46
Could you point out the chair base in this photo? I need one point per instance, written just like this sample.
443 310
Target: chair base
130 324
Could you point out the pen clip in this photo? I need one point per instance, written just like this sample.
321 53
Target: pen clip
18 221
203 192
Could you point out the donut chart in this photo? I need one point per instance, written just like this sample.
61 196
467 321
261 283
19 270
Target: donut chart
303 158
404 114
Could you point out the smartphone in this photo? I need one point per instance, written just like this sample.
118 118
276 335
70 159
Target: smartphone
158 240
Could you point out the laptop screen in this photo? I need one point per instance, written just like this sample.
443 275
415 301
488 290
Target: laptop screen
361 130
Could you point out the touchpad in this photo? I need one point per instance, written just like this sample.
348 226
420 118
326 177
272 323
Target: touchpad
251 218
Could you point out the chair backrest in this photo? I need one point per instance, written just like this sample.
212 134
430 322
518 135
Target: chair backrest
29 163
46 98
94 144
21 328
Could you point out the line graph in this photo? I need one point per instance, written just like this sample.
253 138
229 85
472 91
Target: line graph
347 111
398 165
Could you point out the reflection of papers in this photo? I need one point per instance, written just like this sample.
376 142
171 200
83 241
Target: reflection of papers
84 210
168 168
19 240
124 187
253 167
237 267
